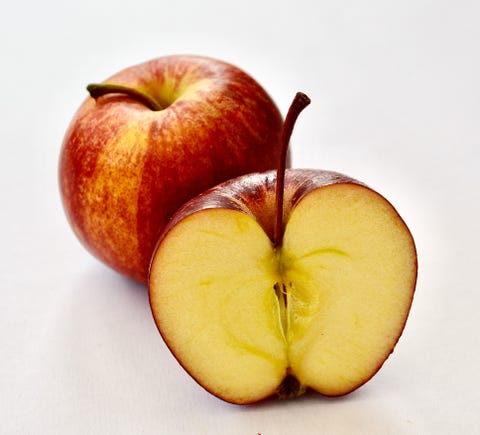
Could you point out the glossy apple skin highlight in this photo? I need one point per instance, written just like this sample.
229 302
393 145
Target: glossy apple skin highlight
125 169
254 195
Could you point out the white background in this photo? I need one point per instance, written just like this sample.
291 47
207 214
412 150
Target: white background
396 103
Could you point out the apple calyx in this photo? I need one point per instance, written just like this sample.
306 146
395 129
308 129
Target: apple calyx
290 388
97 90
300 101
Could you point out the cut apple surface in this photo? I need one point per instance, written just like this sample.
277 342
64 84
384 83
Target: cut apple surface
212 291
322 310
349 266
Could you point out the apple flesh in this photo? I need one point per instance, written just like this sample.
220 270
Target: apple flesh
129 161
323 309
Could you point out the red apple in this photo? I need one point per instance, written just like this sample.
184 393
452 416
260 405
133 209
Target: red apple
154 136
252 307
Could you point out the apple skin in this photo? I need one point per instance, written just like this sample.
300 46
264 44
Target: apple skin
125 169
254 194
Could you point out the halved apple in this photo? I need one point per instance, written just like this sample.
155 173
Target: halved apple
251 307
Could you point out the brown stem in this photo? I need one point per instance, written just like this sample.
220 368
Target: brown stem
298 104
97 90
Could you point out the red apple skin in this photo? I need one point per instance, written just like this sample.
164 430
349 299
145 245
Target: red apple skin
125 169
254 194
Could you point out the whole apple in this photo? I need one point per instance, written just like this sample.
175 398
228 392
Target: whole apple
154 136
317 286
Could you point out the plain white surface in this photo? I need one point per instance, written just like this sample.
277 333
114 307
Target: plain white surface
396 103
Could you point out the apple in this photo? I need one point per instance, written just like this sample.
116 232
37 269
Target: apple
150 138
281 281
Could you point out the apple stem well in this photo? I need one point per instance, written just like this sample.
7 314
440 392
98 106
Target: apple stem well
98 90
299 103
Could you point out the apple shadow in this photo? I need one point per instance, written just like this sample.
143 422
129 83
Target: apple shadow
356 412
309 397
99 323
105 349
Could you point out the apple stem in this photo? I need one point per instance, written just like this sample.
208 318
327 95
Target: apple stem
97 90
298 104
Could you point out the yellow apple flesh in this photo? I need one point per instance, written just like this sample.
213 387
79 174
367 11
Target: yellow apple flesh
323 310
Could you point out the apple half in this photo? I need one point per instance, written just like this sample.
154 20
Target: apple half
252 307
